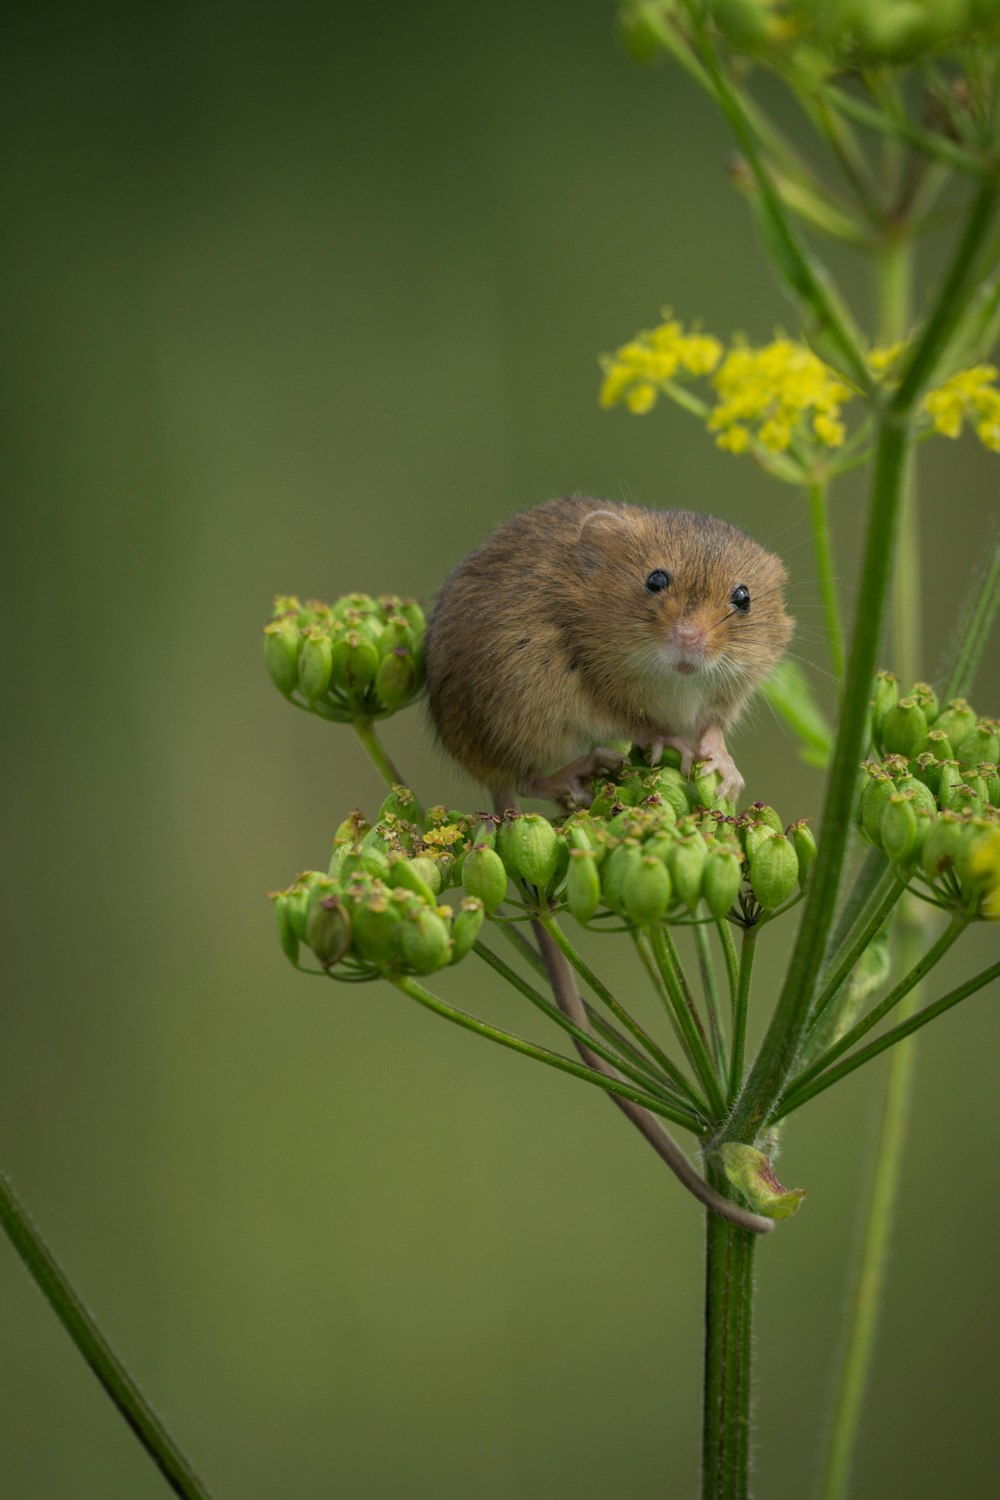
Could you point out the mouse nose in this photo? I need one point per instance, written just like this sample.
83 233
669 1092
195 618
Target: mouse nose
690 636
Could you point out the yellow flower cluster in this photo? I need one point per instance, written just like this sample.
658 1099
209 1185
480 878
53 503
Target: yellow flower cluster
772 392
970 396
985 865
634 374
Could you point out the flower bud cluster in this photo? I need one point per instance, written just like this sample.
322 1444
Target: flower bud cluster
357 656
930 800
648 851
378 909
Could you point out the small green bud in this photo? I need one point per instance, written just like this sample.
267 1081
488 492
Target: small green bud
875 793
754 835
614 872
414 617
534 850
353 664
465 927
397 678
430 871
927 698
980 743
406 875
706 784
396 633
898 827
675 790
885 696
804 844
956 721
721 880
400 803
941 845
904 729
583 884
281 654
751 1173
923 798
760 812
328 927
646 891
315 661
377 921
484 876
686 863
353 829
424 940
928 770
939 744
991 776
774 871
286 932
949 781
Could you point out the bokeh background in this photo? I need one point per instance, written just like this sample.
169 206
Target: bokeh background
305 298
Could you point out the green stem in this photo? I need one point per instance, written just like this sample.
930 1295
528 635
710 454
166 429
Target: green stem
696 1046
919 971
652 1102
729 953
642 1076
645 952
92 1344
867 927
890 1038
741 1005
707 970
869 1272
728 1354
365 730
783 1038
973 630
827 578
588 976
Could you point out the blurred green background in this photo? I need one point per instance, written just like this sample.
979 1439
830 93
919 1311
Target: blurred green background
307 298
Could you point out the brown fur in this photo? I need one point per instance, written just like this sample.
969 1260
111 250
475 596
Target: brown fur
544 642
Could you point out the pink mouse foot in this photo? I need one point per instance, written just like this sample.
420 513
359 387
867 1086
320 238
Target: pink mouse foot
568 783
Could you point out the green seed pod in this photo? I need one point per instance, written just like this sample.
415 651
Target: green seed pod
646 891
298 899
804 844
353 829
928 770
706 784
721 880
956 720
980 743
614 873
949 781
397 679
400 803
534 850
923 798
899 827
939 744
927 698
315 661
991 776
885 696
606 800
484 876
328 928
376 927
686 863
424 939
404 874
904 729
583 884
282 641
973 877
465 928
414 617
396 632
774 871
372 861
485 832
874 796
755 834
941 845
286 932
675 790
760 812
353 664
429 870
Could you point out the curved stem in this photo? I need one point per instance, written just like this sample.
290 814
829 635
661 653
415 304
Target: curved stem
366 732
92 1344
820 518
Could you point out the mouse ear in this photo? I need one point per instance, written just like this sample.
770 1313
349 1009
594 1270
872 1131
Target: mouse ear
598 530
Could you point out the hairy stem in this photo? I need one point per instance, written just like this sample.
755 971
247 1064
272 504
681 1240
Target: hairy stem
92 1344
728 1354
820 518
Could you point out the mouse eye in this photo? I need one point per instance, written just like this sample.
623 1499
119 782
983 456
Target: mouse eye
657 581
740 598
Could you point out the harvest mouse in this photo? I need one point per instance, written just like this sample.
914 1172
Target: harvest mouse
582 621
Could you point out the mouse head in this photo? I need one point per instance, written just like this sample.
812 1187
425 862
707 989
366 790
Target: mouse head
692 594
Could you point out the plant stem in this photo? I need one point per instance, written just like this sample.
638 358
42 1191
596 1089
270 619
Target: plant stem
654 1103
740 1008
972 632
695 1041
366 732
867 927
890 1038
728 1354
711 992
878 1012
869 1273
820 518
92 1344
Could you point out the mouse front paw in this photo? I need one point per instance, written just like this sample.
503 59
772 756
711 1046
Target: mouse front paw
714 756
568 783
657 743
